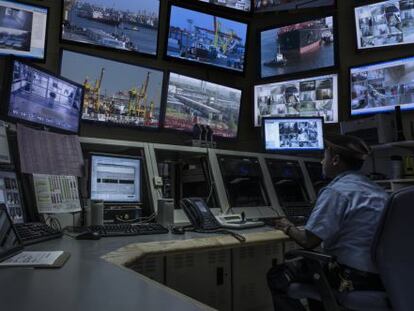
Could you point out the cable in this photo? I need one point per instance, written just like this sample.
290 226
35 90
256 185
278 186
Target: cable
53 222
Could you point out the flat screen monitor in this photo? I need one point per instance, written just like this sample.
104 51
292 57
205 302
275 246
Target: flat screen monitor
39 97
207 39
191 101
379 87
385 23
287 5
311 97
23 29
116 93
10 195
115 178
241 5
297 47
122 24
293 134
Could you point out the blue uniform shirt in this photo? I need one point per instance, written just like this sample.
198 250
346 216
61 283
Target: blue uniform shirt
345 218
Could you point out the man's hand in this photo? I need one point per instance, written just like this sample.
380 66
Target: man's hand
283 224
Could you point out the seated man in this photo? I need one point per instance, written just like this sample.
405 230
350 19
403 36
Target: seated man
344 220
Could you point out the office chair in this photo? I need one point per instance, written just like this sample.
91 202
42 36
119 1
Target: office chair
393 254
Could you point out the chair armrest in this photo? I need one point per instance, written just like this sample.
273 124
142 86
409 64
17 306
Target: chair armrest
312 255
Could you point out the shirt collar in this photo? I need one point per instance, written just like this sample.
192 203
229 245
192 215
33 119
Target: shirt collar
343 174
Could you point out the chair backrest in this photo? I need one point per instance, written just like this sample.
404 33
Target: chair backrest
393 250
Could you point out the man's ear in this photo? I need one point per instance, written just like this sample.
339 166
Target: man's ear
336 159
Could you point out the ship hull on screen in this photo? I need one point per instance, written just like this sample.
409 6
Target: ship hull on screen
40 98
316 96
298 47
380 87
283 5
384 24
121 24
22 29
115 93
192 101
208 39
242 5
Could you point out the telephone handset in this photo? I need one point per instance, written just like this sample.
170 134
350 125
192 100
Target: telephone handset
199 214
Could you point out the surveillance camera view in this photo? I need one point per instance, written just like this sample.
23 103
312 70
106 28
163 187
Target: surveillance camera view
293 134
191 101
381 87
298 47
207 39
116 93
242 5
316 96
121 24
44 99
283 5
385 23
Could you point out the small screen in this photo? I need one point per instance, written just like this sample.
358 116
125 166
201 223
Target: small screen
297 47
115 179
283 5
39 97
10 196
22 29
309 97
241 5
192 101
380 87
384 23
116 93
120 24
8 236
293 134
208 39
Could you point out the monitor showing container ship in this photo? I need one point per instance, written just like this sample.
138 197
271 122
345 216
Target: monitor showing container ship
203 38
121 24
288 5
297 47
116 93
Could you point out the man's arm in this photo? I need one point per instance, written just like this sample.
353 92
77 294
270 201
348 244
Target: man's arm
304 238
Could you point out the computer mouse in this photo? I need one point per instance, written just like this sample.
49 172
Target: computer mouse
89 235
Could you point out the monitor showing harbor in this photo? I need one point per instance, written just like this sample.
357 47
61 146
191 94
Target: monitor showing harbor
241 5
121 24
285 5
203 38
115 93
298 47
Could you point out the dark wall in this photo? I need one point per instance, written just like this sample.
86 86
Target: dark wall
249 137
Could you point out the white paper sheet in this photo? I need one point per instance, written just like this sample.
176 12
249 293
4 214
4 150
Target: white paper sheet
32 259
4 145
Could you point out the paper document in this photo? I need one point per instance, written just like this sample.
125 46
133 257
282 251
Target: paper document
32 259
4 145
44 152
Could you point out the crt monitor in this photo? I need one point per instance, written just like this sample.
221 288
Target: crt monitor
293 134
10 195
115 178
316 176
23 29
42 98
379 87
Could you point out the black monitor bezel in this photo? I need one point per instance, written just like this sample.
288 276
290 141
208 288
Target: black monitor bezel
14 250
107 124
189 133
287 11
107 48
7 94
119 156
290 151
292 75
192 7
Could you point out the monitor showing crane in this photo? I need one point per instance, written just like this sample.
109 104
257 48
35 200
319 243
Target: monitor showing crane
115 93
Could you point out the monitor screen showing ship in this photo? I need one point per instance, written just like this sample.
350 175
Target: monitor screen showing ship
207 39
192 101
241 5
298 47
284 5
115 93
121 24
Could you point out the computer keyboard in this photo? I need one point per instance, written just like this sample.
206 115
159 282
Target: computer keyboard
108 230
298 215
35 232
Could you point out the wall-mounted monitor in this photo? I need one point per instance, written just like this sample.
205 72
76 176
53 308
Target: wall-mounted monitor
379 87
23 29
304 46
116 93
287 5
385 23
191 101
199 37
122 24
240 5
292 134
313 96
39 97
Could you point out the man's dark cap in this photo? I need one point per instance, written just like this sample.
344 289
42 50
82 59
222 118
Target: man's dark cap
349 146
